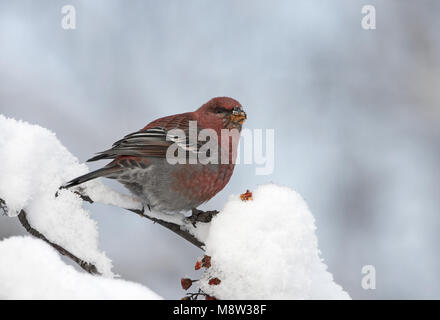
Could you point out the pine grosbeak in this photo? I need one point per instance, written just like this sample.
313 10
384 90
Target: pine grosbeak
140 162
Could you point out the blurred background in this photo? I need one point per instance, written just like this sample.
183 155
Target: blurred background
356 116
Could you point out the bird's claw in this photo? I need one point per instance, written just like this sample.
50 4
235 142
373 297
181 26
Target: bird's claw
201 216
143 208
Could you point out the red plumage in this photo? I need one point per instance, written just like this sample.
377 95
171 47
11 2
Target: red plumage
139 159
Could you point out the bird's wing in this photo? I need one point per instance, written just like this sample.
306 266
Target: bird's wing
148 142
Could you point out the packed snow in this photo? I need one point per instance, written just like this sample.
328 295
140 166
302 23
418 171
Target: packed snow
31 269
266 248
33 166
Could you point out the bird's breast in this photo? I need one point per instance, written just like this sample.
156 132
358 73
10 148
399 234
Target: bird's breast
201 182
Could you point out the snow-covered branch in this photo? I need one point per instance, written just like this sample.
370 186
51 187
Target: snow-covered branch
35 164
262 246
90 268
186 227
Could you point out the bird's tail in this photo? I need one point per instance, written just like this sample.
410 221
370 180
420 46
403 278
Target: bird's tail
103 172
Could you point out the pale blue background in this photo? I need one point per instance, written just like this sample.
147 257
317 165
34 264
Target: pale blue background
356 116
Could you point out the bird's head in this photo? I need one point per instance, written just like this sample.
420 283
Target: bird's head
222 113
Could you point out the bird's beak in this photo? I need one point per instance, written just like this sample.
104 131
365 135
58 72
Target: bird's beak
238 116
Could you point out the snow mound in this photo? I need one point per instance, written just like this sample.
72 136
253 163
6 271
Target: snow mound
33 166
266 248
31 269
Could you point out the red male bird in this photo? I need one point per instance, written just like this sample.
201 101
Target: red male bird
140 161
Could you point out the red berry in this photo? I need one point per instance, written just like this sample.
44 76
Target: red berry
214 281
186 283
246 196
206 261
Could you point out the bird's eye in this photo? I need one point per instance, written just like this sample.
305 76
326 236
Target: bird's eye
219 110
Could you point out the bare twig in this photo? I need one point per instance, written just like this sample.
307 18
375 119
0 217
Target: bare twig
177 229
195 295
